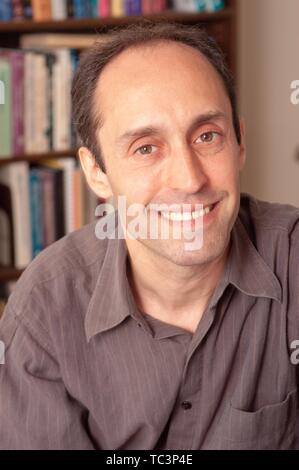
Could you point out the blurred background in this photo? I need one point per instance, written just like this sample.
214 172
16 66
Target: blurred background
268 62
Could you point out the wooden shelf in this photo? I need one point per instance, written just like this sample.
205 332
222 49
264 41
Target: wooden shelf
38 157
9 274
89 24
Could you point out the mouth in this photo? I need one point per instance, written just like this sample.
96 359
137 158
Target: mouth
184 216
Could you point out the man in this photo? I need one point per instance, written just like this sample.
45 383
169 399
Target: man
141 343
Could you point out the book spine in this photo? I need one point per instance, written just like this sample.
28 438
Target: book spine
213 5
117 8
59 204
79 10
6 108
136 7
36 215
41 10
27 9
128 7
70 8
105 8
94 8
48 214
6 10
59 9
88 8
17 59
17 10
146 7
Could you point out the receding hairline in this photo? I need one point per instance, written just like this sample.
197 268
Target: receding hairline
151 43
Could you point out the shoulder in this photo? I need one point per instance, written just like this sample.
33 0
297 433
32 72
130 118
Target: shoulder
50 283
262 218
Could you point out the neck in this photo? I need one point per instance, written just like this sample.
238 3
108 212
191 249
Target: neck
174 294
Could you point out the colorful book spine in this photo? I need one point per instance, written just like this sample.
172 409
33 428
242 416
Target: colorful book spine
17 10
59 9
27 9
36 211
117 8
146 7
6 13
136 7
79 9
41 10
6 107
104 8
201 5
17 63
214 5
88 8
94 8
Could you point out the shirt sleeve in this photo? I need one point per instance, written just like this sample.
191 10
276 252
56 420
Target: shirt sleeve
36 410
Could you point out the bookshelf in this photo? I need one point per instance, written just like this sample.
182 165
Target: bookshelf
221 25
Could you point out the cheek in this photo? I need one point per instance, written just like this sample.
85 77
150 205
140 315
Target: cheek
137 188
224 170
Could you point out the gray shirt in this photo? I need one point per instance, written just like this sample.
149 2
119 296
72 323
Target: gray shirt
85 369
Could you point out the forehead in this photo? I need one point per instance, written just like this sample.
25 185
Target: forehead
160 75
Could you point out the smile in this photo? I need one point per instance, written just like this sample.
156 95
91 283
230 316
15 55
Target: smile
185 216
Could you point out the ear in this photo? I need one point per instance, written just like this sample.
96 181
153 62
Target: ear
96 179
242 154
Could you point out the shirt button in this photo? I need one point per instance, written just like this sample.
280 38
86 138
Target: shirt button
186 405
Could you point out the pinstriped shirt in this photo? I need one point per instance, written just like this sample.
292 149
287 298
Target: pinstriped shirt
85 369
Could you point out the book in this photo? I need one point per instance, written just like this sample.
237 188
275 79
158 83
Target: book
6 13
214 5
27 9
36 211
185 5
117 8
15 116
64 40
16 178
17 67
104 8
59 9
6 227
41 10
48 206
37 103
61 99
70 8
79 8
6 107
17 10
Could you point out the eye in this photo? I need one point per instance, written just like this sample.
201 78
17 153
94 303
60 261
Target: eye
146 149
207 137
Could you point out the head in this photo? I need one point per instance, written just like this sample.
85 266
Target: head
155 109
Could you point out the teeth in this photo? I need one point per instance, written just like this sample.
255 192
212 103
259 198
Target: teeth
180 217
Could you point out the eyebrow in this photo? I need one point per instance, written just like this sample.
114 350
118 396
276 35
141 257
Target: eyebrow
152 130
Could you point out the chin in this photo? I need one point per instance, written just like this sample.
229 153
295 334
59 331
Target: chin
177 254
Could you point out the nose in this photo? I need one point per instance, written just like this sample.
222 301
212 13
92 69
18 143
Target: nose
185 172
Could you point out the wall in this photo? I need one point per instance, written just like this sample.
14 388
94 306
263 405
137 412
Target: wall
268 61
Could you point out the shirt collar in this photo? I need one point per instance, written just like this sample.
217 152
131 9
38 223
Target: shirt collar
112 300
247 270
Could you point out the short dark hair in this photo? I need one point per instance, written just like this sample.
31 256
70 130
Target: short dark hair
87 120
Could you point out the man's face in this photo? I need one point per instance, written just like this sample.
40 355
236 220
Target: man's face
168 137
